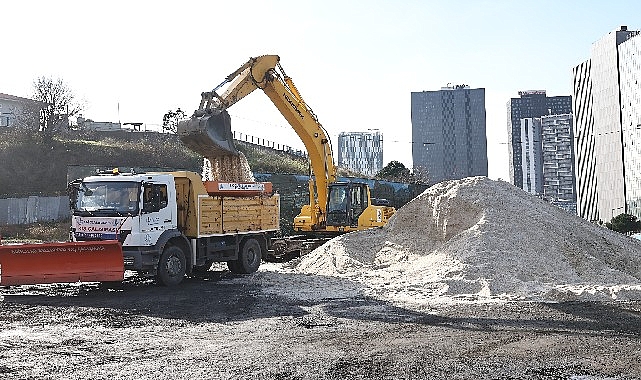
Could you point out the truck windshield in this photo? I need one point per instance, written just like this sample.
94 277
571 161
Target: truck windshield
107 198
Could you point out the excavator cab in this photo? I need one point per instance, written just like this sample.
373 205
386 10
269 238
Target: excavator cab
345 204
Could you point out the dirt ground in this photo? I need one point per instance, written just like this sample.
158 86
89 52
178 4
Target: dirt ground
222 326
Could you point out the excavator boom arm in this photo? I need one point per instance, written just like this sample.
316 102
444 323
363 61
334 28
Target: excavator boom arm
266 73
308 128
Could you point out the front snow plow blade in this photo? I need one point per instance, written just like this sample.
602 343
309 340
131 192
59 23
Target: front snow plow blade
210 135
27 264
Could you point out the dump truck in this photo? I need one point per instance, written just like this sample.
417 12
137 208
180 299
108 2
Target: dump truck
162 224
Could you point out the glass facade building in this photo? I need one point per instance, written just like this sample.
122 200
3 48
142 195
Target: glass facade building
630 75
606 109
530 105
531 157
585 159
361 152
558 160
448 134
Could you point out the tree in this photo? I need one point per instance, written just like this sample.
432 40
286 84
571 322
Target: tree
58 103
394 171
171 119
624 223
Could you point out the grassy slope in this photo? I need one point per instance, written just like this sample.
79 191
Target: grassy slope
38 165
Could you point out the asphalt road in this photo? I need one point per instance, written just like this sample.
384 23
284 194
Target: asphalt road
222 326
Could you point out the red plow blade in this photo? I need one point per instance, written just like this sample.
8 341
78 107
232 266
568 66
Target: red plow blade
47 263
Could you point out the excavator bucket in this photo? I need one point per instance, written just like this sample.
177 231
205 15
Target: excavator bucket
210 135
26 264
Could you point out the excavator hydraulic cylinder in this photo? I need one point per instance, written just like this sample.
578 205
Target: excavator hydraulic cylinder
24 264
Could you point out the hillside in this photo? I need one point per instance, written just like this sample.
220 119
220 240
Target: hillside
35 164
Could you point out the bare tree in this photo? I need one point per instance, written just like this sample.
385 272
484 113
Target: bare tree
58 103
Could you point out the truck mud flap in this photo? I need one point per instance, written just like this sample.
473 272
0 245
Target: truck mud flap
47 263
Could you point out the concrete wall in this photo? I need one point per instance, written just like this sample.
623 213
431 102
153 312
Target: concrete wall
33 209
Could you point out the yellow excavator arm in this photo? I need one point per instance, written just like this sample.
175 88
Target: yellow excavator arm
266 73
209 132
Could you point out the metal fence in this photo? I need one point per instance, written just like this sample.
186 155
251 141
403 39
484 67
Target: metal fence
268 144
33 209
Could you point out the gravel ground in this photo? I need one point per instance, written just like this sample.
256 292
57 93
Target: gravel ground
222 326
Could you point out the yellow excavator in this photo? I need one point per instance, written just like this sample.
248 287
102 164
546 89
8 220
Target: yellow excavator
334 207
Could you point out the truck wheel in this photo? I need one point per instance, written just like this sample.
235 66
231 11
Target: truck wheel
249 257
172 266
233 266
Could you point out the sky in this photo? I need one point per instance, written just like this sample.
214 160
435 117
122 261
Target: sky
355 62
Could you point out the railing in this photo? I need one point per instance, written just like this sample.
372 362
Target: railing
268 144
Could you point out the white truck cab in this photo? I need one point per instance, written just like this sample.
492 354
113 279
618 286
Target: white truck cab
132 208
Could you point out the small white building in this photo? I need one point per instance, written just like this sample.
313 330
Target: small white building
102 126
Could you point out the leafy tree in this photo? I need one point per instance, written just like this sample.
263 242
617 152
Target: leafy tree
171 119
58 103
394 171
624 223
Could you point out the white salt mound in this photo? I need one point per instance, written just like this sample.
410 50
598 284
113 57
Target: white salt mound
477 239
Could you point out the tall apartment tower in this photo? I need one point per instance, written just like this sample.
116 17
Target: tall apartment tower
448 133
361 152
558 160
607 126
526 161
531 157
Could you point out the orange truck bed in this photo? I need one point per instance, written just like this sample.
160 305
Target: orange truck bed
47 263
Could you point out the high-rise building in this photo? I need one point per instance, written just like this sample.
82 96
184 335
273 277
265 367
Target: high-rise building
448 133
607 109
525 155
630 69
558 160
361 152
531 157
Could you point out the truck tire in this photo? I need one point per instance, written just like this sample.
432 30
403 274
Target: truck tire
172 266
249 257
233 266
